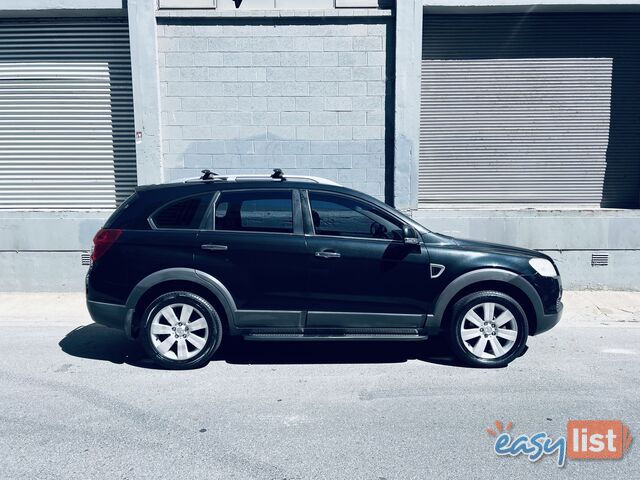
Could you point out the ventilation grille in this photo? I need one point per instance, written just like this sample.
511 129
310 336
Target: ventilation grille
86 258
599 259
436 270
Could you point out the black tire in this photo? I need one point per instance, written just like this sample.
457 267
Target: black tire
213 339
475 301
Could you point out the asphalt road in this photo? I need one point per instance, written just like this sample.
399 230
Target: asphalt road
77 401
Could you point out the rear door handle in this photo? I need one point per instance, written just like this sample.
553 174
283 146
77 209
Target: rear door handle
326 254
214 248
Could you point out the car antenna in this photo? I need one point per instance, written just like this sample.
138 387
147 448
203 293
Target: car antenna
278 175
207 174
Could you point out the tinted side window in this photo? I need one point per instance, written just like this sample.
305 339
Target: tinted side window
255 211
186 213
341 216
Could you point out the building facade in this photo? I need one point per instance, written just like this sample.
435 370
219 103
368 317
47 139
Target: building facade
490 120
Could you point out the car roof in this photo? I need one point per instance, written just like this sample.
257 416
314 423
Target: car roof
188 188
158 194
223 182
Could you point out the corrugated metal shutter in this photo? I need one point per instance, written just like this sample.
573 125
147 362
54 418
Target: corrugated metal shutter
517 108
66 114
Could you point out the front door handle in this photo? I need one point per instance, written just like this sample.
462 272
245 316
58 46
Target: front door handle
214 248
327 254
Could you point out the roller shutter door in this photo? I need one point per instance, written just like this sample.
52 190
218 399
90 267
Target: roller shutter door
66 114
538 108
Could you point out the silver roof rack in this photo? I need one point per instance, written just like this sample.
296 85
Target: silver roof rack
277 176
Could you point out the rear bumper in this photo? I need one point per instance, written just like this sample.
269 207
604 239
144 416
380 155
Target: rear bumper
111 315
548 321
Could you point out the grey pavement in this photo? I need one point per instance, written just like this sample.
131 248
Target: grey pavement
78 401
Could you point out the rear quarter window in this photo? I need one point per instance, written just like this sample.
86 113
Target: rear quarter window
186 213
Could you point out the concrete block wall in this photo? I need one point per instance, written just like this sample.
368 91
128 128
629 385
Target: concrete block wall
308 96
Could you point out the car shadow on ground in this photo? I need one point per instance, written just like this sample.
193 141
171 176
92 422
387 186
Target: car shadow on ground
96 342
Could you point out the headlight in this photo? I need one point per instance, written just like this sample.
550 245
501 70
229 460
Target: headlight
543 266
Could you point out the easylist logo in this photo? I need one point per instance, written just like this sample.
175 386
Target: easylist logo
585 440
597 439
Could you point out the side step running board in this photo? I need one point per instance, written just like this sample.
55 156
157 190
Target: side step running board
293 337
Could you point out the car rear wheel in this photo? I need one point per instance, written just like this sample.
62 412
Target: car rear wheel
488 329
180 330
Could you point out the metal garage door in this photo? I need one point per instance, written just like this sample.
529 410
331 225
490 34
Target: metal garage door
517 109
66 114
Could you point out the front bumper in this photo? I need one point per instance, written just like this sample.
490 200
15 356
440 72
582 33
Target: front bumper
111 315
550 320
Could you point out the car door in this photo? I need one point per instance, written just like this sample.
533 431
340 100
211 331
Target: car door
256 249
362 274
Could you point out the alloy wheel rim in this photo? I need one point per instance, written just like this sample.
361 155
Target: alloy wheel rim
179 331
489 330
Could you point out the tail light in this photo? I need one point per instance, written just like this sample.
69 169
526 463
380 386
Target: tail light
103 241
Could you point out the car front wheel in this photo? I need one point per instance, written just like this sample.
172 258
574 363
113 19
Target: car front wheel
180 330
488 329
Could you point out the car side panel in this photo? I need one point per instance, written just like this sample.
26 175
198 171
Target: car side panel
137 254
370 276
263 271
458 261
466 267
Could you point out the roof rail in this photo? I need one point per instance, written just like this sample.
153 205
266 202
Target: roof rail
207 174
277 176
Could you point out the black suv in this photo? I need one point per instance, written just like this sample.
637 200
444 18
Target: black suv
183 265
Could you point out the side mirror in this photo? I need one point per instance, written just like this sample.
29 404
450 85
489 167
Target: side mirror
410 235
